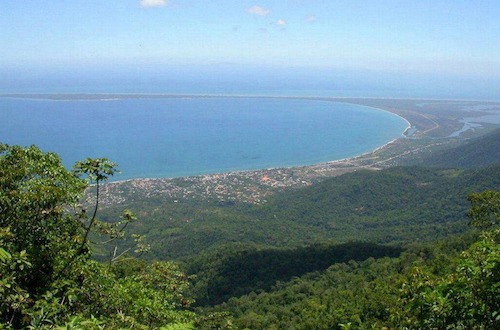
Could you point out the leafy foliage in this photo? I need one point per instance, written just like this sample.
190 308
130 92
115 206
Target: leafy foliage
47 277
467 298
35 191
485 209
49 281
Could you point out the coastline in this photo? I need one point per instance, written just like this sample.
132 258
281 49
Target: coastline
429 130
104 97
430 125
247 186
284 167
314 165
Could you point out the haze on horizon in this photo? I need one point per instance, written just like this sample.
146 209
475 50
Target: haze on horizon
397 48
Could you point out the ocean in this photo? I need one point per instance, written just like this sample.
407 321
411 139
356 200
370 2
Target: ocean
173 137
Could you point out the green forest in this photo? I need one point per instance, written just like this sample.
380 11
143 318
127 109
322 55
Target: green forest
402 248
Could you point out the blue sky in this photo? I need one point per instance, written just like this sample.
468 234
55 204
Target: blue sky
449 38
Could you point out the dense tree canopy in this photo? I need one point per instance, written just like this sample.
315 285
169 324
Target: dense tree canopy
391 206
46 275
485 209
48 279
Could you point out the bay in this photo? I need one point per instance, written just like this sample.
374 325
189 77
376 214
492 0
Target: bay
172 137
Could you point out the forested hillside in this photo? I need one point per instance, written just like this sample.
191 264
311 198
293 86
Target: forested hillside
395 205
306 259
475 153
428 287
233 271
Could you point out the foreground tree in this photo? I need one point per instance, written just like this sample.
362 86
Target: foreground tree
46 275
35 194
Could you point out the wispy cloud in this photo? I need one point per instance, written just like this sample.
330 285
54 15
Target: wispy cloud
153 3
258 10
311 18
281 22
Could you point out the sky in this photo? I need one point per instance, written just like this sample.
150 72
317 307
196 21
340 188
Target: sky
455 39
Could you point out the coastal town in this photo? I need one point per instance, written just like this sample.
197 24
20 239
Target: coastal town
252 186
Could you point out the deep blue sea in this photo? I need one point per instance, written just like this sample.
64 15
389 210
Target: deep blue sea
189 136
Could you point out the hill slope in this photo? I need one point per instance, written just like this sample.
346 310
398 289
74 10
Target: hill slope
478 152
395 205
392 205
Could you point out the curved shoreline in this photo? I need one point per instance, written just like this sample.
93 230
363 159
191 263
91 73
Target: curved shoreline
255 185
105 97
290 167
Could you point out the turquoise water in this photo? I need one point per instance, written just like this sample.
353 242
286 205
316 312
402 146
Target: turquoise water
189 136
